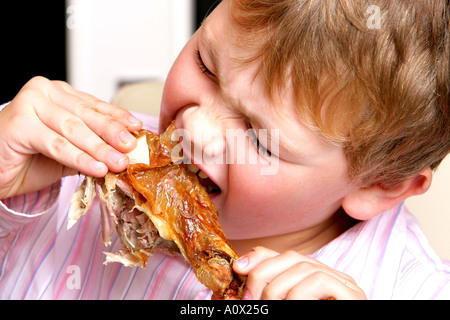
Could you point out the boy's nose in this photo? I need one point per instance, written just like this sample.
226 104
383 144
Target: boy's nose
205 134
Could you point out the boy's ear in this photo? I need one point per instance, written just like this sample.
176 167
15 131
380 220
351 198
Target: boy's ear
364 203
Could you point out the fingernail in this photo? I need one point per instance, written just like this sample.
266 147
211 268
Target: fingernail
126 137
242 262
100 167
133 121
118 158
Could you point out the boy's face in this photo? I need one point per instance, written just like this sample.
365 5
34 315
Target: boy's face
307 177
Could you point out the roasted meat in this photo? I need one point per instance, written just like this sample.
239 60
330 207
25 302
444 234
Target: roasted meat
161 206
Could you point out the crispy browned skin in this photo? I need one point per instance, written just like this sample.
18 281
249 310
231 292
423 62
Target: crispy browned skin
181 210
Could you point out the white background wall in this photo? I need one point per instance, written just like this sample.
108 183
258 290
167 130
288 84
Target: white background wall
110 42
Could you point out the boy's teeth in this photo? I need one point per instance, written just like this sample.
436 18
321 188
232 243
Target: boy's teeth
202 175
193 168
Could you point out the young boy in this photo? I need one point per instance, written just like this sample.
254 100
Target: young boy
358 96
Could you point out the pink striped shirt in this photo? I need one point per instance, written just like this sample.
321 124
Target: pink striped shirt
388 256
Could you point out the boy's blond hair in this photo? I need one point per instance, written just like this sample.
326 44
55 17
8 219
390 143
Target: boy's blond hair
370 75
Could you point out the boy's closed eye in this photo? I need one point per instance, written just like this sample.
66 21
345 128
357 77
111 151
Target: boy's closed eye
262 150
202 66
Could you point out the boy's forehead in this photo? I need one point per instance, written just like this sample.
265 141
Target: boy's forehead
218 37
220 26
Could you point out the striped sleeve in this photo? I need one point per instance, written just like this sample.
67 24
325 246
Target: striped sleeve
22 209
25 232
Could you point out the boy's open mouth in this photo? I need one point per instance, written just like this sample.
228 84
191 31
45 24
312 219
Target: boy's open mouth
205 181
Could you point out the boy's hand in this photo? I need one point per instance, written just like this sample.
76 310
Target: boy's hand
290 275
50 130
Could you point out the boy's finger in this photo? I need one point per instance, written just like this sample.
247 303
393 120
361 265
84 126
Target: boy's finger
77 101
250 260
71 130
323 286
109 128
285 283
54 146
254 264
